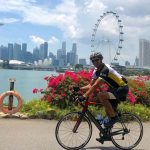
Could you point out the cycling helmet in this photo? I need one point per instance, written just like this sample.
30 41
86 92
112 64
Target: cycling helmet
96 54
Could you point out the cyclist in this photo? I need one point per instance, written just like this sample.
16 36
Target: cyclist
117 86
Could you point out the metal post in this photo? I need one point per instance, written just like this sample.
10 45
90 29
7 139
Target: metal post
10 102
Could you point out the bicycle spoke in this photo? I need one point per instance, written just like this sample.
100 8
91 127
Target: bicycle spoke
128 133
73 140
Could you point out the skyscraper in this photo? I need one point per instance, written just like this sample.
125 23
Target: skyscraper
43 50
24 47
17 52
64 47
3 52
72 57
36 54
24 51
74 51
64 53
10 51
60 58
144 53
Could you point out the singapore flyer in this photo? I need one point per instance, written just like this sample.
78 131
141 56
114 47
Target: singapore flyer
17 99
107 36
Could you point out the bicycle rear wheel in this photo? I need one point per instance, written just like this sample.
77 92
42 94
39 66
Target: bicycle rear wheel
127 132
70 139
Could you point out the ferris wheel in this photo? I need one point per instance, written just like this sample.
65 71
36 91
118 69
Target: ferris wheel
108 26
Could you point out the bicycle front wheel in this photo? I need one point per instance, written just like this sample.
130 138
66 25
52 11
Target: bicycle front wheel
127 132
73 131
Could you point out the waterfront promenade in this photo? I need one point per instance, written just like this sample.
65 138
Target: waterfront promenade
38 134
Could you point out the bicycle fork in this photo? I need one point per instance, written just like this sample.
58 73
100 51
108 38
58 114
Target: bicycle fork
78 122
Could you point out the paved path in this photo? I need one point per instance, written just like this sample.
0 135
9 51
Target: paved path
16 134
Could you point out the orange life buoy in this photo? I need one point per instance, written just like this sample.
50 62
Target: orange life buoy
14 110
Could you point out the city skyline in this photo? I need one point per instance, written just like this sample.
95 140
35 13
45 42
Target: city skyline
35 22
63 58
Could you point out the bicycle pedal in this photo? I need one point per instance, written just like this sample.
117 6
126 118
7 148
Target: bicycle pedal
100 140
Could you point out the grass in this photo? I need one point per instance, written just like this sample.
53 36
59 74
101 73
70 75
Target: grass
41 109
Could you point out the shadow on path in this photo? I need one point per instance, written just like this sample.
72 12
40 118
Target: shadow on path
103 148
99 148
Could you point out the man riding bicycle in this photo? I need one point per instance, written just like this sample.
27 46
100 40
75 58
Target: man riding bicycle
117 86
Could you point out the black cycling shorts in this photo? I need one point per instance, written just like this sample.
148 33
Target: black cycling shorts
120 93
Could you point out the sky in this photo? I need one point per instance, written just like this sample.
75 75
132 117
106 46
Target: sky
73 21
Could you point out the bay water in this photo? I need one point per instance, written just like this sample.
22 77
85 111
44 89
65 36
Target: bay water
26 81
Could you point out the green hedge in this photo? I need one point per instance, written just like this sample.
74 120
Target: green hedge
42 109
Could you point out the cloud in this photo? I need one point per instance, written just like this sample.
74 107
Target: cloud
76 19
64 15
53 40
36 39
14 5
9 20
94 5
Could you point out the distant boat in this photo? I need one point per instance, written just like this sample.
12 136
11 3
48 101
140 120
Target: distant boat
62 70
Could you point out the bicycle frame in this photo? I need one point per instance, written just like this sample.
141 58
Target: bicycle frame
86 112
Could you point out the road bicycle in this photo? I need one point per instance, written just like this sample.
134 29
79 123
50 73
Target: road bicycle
74 130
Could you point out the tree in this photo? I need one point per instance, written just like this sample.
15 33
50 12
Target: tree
78 67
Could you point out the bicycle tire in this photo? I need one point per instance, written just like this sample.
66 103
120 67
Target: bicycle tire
132 131
66 124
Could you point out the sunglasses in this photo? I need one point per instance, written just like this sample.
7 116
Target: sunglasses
95 60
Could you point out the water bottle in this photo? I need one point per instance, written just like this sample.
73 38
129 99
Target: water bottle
106 119
100 118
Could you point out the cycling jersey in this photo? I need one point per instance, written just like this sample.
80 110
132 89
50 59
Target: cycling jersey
110 76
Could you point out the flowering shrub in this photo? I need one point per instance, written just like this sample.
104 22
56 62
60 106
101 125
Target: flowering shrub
59 88
140 87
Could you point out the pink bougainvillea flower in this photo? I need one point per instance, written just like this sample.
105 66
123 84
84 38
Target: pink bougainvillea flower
35 90
143 78
71 75
97 90
60 77
63 95
131 97
104 87
41 90
46 78
49 98
141 84
53 82
84 74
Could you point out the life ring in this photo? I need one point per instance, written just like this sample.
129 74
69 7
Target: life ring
14 110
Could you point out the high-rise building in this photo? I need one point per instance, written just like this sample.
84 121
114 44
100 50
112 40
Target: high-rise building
43 50
74 48
3 52
144 53
59 54
136 63
127 63
82 61
64 47
17 52
24 52
74 51
36 54
72 57
24 47
10 51
60 58
64 57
